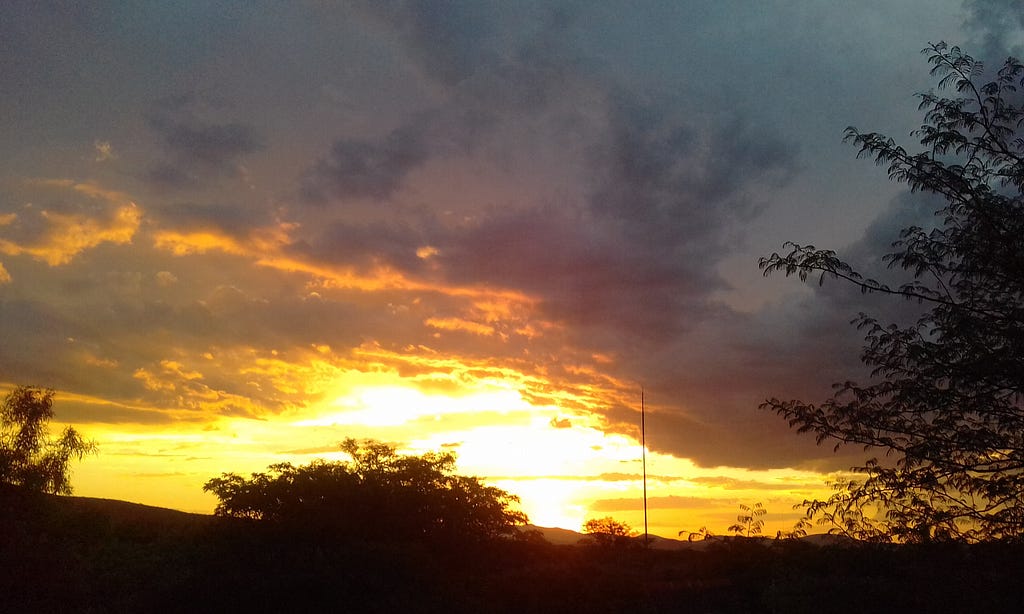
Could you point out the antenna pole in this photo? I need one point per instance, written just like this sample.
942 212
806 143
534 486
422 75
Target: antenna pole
643 445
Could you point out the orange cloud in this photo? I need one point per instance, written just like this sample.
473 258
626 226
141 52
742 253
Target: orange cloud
265 247
185 244
453 324
152 381
66 235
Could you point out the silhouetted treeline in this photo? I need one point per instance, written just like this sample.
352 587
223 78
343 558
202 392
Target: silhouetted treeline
61 554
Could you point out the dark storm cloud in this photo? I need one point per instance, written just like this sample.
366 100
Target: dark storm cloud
639 148
640 256
581 276
666 185
998 26
200 151
449 40
795 348
668 176
630 264
392 243
488 83
359 168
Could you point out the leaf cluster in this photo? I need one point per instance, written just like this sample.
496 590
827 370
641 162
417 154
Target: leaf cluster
378 494
699 535
29 457
750 520
945 402
608 532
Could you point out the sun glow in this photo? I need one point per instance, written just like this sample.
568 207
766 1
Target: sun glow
393 405
550 450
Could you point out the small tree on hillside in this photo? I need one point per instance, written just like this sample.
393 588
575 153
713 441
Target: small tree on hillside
608 532
946 399
29 457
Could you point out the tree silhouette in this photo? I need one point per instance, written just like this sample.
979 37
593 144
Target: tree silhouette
29 457
700 534
378 494
608 532
946 394
750 520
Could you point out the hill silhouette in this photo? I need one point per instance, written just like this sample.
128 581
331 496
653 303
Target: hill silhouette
62 553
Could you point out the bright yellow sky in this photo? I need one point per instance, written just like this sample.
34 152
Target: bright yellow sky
561 464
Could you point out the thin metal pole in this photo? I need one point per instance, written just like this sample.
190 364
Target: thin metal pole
643 445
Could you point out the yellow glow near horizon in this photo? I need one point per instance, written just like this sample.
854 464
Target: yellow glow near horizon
560 462
393 405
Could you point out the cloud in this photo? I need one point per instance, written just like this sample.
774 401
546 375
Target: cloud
998 26
365 244
104 151
311 450
166 278
239 221
623 263
448 41
489 82
358 168
79 217
727 483
792 348
671 178
80 410
639 254
198 151
672 502
560 423
561 181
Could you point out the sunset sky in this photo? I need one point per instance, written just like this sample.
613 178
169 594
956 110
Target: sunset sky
233 234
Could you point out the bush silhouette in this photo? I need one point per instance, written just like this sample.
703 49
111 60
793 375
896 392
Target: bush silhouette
378 494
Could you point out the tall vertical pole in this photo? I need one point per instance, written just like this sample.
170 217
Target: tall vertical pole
643 445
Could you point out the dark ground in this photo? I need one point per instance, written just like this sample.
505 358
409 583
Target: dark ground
68 554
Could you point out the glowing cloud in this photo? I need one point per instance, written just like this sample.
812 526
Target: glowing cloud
59 236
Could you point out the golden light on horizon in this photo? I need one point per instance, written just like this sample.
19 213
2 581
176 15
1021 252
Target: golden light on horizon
548 444
561 464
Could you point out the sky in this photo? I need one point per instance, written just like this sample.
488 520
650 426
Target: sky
234 234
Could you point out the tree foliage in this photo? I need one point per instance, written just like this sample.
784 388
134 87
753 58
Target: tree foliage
378 494
699 535
750 520
944 401
608 532
29 457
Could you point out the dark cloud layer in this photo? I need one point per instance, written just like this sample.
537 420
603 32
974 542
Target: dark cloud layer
198 151
997 24
363 169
